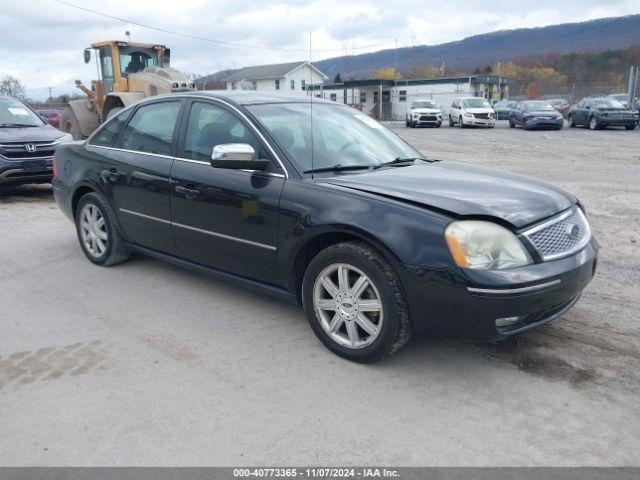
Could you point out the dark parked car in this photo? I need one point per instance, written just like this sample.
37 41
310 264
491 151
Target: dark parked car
27 144
561 105
51 116
534 114
596 113
374 240
503 109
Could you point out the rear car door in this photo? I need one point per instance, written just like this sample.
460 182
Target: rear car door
136 174
222 218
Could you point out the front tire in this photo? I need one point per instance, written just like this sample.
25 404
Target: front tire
594 124
629 127
451 124
69 123
98 233
571 122
460 122
354 302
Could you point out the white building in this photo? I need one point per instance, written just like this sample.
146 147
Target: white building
396 95
286 78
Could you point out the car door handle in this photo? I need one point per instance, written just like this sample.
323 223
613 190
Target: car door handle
110 175
189 193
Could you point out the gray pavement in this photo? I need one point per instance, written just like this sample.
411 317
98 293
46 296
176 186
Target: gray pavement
148 364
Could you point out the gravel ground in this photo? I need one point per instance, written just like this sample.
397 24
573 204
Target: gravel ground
149 364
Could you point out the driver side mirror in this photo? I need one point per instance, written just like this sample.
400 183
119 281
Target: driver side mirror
87 55
236 156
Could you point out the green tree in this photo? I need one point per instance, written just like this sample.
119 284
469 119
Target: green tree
338 79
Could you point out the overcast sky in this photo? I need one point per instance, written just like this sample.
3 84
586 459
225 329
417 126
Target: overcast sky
41 41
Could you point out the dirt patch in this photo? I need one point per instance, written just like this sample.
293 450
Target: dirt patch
51 363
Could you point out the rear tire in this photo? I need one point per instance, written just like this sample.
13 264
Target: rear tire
336 318
511 124
69 123
571 122
98 233
629 127
451 124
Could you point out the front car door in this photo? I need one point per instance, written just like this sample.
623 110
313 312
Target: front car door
223 217
137 174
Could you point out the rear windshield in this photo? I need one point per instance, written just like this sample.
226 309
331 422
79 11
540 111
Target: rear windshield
15 113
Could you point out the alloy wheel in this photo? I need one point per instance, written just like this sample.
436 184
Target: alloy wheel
348 305
93 230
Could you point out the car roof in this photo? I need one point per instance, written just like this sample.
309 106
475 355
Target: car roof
248 97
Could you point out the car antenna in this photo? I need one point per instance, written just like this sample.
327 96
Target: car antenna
311 105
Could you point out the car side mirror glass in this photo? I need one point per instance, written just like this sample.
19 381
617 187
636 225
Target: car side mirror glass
236 156
87 55
588 107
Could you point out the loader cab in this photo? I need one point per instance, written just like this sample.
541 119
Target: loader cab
117 60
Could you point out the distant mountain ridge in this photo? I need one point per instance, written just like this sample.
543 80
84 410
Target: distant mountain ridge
465 55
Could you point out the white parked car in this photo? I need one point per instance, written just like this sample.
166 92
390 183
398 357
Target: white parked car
471 111
424 112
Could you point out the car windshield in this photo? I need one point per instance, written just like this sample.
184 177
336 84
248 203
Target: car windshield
338 135
14 112
476 103
423 104
504 104
539 107
606 103
557 101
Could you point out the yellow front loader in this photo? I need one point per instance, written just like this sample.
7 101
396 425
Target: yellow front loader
127 72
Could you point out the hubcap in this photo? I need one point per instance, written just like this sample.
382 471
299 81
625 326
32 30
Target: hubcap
93 230
348 305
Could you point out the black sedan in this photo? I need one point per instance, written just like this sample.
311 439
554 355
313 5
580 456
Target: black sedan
27 144
337 214
535 114
597 113
503 109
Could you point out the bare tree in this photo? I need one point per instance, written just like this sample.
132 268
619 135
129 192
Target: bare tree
11 87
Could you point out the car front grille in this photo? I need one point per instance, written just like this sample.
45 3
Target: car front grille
20 151
620 116
561 236
428 118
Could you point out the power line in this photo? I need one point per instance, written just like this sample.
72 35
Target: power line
204 39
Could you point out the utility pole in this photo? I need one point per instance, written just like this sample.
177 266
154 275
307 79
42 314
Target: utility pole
633 83
50 95
128 35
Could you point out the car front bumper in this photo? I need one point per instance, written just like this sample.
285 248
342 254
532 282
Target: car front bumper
617 122
17 172
479 122
468 302
427 120
542 122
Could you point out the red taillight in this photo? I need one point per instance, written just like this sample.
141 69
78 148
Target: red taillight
55 167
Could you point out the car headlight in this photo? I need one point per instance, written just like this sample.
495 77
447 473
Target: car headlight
468 114
66 138
484 245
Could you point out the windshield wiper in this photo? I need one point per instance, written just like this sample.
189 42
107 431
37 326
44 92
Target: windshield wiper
398 161
337 168
15 125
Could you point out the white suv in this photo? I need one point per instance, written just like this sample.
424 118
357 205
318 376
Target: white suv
424 112
466 111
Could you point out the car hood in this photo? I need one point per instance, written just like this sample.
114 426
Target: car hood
425 110
543 113
45 133
465 190
479 110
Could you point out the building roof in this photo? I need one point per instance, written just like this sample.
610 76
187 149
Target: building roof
262 72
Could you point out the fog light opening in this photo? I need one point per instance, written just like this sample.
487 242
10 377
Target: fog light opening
506 321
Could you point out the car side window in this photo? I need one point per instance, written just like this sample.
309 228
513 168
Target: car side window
150 129
109 131
210 125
